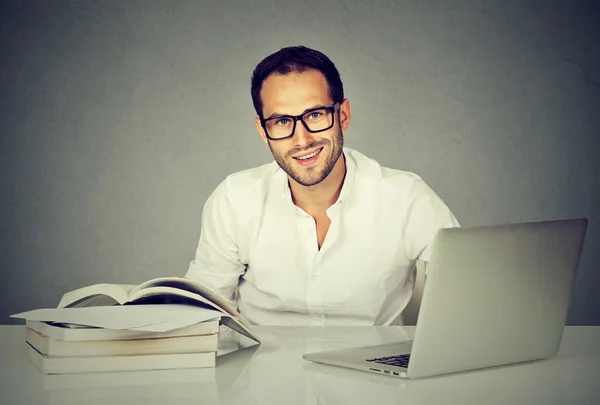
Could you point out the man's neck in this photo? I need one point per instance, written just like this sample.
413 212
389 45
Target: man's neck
321 196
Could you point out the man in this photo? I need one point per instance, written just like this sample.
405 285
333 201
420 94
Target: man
323 235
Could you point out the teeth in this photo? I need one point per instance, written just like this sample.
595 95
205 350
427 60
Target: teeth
309 156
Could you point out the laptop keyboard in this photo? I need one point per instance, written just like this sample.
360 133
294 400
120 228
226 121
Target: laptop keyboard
400 360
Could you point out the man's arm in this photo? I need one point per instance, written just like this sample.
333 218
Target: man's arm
217 261
427 214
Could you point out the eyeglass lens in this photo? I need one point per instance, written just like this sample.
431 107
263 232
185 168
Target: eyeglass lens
315 120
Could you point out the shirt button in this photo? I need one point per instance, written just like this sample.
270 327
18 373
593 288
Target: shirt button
314 278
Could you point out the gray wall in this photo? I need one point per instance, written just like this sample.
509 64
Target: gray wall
118 118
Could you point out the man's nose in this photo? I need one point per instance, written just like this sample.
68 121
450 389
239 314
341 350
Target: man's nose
301 135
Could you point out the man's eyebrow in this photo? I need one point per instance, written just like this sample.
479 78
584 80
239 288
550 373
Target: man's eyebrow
278 115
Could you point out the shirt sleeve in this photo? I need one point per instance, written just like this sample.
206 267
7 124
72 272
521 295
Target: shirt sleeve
217 262
426 214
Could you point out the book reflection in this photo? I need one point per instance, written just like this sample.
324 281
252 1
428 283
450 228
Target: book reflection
155 386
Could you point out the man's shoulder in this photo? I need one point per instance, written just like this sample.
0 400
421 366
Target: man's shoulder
371 171
395 186
250 181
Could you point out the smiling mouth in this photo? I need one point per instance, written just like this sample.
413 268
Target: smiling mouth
309 156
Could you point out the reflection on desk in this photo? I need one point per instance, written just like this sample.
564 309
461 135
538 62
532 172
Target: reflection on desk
275 373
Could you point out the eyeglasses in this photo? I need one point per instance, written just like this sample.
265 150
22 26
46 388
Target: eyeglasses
314 120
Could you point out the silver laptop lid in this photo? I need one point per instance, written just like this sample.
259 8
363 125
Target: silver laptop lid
496 295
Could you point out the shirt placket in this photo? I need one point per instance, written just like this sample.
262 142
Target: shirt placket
314 294
315 290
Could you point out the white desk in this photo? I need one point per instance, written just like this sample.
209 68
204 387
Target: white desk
275 373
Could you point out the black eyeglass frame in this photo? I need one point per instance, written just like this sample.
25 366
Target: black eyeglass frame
332 109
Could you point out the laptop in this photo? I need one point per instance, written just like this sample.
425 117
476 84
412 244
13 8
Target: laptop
495 295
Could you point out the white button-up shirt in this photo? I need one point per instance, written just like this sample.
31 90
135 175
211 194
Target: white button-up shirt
260 251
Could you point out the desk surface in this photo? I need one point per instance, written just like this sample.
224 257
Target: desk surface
275 373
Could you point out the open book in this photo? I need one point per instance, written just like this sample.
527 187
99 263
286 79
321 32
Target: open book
159 290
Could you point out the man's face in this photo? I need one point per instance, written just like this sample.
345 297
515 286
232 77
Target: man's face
293 94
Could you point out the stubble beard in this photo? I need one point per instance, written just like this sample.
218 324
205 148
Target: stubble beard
312 177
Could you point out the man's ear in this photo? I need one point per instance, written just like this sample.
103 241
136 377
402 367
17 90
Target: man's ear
261 131
345 114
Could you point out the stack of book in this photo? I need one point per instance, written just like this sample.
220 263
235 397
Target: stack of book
166 323
56 349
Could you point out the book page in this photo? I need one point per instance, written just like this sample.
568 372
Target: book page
153 318
200 292
97 295
192 286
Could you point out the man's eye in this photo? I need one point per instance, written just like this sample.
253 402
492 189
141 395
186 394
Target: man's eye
283 122
314 116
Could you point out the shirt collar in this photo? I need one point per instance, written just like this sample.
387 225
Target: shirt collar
349 178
